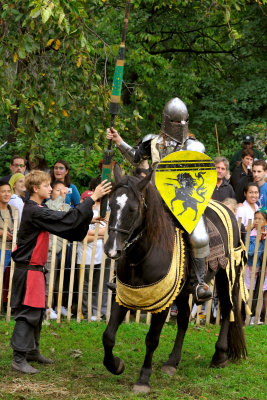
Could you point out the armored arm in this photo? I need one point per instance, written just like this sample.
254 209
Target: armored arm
194 145
136 154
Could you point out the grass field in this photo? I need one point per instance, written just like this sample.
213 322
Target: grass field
78 372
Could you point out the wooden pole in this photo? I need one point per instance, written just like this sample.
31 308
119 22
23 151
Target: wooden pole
253 273
2 262
61 279
217 137
52 276
72 273
14 241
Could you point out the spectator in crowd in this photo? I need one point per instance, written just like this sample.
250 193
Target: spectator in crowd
60 173
258 176
17 164
248 143
36 162
223 189
259 216
56 203
247 211
259 169
242 172
97 265
17 184
6 211
28 287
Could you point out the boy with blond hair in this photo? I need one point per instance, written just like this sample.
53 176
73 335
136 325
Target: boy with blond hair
28 289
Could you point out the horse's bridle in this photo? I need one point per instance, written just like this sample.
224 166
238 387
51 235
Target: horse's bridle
130 231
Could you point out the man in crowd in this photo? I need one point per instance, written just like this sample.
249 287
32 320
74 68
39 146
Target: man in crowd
259 169
248 143
243 174
223 189
17 165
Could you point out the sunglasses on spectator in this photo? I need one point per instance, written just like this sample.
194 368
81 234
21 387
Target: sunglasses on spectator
19 165
60 168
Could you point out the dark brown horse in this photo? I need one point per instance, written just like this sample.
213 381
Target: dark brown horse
141 238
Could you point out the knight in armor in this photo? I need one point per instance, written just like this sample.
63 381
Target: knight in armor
174 137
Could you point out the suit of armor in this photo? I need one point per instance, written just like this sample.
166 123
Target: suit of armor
174 137
156 147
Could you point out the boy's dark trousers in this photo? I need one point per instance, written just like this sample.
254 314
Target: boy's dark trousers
25 339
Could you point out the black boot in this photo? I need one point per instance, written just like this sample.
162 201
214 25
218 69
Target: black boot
20 364
201 291
112 284
35 354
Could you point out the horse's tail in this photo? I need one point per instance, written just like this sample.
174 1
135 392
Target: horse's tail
236 339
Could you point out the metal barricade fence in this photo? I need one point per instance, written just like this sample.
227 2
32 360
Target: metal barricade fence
74 293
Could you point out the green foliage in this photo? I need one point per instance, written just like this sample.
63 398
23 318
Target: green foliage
57 63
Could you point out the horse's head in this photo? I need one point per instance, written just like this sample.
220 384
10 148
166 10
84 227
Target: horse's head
127 203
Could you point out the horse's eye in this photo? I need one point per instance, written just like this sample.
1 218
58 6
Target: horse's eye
133 209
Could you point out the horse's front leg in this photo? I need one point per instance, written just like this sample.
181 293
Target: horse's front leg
152 341
170 366
113 364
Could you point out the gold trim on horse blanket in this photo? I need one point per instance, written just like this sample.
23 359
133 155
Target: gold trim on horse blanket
157 296
236 255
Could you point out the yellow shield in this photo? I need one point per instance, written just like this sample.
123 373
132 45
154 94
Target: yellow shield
186 181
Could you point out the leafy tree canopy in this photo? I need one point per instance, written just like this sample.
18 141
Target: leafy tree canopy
57 63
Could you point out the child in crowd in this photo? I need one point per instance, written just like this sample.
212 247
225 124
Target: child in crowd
28 294
17 184
97 264
260 215
56 203
246 212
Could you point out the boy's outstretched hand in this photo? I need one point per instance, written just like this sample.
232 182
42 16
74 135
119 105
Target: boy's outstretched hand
101 190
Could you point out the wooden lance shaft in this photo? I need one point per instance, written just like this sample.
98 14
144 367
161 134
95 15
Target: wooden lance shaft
114 107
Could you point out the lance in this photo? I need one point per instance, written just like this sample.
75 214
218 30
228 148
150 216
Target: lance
114 106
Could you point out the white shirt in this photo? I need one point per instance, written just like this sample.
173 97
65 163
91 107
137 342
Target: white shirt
246 213
17 201
89 247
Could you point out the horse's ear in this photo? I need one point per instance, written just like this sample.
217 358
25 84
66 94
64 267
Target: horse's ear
143 183
117 173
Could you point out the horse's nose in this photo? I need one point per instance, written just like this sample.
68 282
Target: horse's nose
114 254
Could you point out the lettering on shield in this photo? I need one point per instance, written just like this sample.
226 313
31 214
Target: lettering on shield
186 181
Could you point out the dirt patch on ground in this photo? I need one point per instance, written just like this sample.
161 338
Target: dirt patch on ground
24 388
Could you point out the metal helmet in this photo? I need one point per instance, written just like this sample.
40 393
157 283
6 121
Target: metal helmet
175 120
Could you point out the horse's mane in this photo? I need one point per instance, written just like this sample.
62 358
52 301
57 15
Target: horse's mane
158 224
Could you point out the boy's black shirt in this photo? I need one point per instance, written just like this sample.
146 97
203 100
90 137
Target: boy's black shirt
37 220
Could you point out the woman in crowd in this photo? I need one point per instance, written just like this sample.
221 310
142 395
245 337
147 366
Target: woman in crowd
60 173
247 211
17 184
259 216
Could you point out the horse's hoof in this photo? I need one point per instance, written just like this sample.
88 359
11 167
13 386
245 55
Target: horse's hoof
116 368
120 368
219 365
141 389
168 369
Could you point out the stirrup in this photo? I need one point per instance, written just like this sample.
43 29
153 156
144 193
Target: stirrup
202 299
